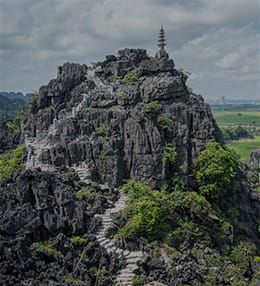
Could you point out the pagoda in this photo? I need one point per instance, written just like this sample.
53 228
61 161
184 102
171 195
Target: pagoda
161 53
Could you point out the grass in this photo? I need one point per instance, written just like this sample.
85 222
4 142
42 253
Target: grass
244 148
237 117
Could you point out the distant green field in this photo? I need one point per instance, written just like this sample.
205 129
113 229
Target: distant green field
237 117
244 148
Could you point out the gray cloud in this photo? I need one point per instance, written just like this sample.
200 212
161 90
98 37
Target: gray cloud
216 40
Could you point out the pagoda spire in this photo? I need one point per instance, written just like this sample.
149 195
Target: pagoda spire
161 39
161 53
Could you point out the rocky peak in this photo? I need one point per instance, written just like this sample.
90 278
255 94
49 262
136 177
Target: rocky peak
117 117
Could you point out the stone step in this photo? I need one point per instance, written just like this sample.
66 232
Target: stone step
135 254
125 279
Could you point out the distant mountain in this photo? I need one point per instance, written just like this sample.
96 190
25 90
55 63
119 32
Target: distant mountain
11 101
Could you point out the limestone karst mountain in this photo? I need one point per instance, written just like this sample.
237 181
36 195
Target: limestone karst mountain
116 117
64 219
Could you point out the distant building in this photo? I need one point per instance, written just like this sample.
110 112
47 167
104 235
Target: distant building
222 100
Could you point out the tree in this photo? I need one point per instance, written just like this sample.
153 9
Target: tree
216 169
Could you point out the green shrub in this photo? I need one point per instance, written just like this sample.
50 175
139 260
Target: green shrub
216 169
72 279
135 189
120 94
138 281
102 156
170 155
152 213
34 100
242 254
10 162
146 216
47 246
146 211
165 123
151 109
132 77
78 240
88 192
188 230
191 203
190 90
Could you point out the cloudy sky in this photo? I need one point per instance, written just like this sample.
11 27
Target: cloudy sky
217 41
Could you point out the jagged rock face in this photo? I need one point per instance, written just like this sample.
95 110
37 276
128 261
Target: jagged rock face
113 136
45 204
39 215
255 157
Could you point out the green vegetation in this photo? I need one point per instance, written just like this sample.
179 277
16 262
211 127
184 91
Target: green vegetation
49 107
138 281
170 154
131 78
78 240
88 192
183 72
189 89
216 168
102 156
47 246
165 123
72 279
244 148
14 125
10 106
120 94
164 215
10 162
151 109
237 117
242 254
34 100
86 109
236 133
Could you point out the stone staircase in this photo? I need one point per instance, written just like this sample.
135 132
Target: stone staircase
126 275
35 145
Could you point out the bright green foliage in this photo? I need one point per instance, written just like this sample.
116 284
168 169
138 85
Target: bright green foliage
151 109
138 281
165 123
170 155
216 169
146 213
11 162
14 125
78 240
131 78
71 279
135 189
47 246
152 213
